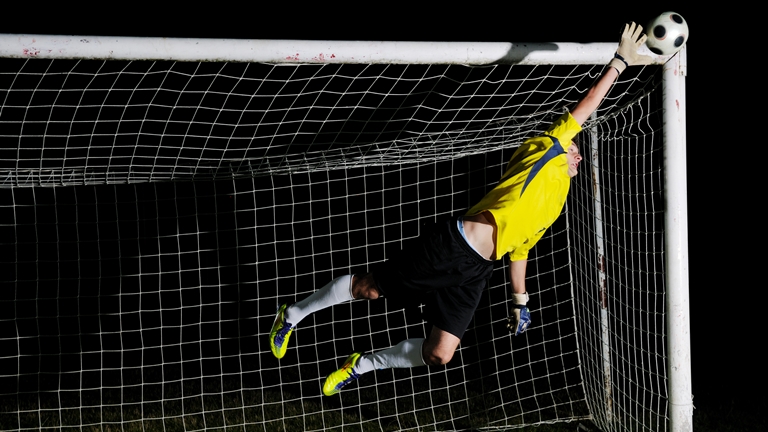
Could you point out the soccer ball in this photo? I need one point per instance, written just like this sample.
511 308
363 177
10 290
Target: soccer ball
667 33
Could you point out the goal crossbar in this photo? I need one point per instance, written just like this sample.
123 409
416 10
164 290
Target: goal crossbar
306 51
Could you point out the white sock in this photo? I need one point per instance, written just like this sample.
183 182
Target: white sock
406 354
336 291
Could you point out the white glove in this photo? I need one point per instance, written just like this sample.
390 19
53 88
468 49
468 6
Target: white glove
631 39
520 316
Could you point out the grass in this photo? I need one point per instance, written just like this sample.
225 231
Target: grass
387 403
383 407
250 411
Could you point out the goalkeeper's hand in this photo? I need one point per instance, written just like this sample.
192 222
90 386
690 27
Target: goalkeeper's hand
631 39
520 316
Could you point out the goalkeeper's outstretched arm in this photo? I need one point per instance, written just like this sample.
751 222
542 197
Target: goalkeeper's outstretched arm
626 55
595 96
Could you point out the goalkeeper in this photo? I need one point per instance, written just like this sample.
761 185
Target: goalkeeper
448 267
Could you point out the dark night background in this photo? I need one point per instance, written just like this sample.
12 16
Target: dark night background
725 299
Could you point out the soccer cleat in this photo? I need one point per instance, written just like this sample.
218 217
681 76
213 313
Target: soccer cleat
337 380
281 331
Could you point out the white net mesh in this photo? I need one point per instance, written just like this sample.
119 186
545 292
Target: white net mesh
200 196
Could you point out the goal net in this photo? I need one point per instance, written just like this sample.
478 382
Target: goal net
155 213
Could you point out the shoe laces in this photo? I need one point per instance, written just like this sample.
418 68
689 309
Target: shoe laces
352 376
280 336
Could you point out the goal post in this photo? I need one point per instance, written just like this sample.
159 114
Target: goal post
676 200
163 196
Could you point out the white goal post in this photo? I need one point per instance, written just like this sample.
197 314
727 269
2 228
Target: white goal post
162 196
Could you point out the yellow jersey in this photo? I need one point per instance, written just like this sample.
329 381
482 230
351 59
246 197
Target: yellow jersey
531 193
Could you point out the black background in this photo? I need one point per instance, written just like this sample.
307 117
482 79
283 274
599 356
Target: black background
723 84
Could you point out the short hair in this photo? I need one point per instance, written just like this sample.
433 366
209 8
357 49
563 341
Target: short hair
577 140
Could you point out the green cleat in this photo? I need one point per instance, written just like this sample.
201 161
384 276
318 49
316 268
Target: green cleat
340 378
281 331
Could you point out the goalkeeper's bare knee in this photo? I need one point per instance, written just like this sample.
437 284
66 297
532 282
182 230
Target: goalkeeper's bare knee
364 287
437 357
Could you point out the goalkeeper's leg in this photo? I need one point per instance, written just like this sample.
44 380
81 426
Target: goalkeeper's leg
406 354
337 291
438 349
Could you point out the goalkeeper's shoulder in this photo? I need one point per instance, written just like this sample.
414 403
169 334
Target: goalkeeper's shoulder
565 124
564 128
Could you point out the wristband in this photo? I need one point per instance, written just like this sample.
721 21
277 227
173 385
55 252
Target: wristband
618 56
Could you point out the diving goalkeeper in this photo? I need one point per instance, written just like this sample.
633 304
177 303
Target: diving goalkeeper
448 267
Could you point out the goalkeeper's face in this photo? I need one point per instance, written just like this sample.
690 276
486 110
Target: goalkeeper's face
573 157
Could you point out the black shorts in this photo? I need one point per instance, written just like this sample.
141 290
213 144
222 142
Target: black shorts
442 271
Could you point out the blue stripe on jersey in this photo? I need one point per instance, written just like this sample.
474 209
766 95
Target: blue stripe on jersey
553 151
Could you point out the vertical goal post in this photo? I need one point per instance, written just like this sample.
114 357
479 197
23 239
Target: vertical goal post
15 174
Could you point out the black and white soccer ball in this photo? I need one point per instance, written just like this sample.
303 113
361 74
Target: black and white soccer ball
667 33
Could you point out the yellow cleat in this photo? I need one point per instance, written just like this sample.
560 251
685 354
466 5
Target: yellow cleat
345 375
281 331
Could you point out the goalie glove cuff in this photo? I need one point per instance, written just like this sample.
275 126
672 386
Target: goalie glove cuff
520 299
618 63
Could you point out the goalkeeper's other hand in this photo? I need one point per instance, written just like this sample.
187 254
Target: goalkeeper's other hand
631 39
520 316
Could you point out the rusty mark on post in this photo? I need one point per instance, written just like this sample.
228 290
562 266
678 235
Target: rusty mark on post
603 288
